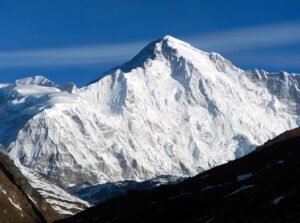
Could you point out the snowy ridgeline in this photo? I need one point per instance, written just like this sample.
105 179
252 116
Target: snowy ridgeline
171 110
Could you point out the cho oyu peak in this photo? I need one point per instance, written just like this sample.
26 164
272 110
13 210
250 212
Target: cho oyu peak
174 50
171 110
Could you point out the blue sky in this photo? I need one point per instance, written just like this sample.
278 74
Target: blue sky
77 40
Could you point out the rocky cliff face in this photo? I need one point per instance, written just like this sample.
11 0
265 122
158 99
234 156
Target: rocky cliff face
28 198
19 201
171 110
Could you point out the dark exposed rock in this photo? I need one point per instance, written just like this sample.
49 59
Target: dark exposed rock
19 202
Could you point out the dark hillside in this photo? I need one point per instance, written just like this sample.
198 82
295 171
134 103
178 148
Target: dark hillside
260 187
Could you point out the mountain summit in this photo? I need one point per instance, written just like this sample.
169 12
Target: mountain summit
36 80
166 47
171 110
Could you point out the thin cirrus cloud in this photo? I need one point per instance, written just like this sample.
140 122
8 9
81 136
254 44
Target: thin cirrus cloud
77 55
249 38
277 62
227 41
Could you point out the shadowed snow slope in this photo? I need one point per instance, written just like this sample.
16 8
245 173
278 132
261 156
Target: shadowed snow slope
171 110
99 193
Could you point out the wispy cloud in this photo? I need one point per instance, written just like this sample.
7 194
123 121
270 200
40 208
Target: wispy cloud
249 37
265 60
242 39
76 55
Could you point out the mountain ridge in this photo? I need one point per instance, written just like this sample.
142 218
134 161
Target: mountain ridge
162 46
179 113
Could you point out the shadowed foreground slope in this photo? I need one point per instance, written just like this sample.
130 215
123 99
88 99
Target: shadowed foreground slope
260 187
19 202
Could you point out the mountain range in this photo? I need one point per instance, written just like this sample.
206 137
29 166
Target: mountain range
171 112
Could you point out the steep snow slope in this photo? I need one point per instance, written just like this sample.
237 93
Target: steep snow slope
61 201
171 110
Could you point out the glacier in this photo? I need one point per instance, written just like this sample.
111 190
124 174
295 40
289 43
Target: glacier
171 110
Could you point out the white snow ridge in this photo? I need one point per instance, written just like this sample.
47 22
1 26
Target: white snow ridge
171 110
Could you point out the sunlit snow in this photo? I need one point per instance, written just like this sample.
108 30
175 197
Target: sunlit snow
172 110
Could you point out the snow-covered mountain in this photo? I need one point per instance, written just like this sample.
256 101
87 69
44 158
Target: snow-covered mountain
171 110
36 80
